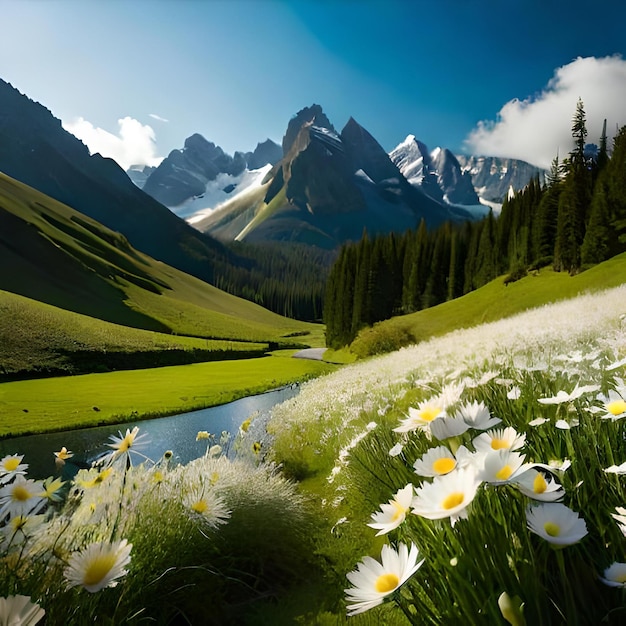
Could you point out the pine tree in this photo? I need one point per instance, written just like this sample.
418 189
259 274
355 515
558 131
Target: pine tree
545 224
574 201
596 245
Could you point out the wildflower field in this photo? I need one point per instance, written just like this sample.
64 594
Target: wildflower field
476 478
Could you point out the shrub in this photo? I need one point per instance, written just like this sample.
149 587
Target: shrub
380 339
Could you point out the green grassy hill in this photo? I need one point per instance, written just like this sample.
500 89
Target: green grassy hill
54 255
492 302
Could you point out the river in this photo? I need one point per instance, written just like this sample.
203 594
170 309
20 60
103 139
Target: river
176 433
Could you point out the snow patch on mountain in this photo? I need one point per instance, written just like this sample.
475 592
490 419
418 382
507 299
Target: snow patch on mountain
224 188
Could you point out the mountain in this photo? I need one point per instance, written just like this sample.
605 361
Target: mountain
437 173
36 150
201 175
493 177
329 187
461 180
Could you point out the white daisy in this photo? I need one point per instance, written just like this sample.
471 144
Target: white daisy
476 415
21 497
64 454
556 523
206 506
436 462
421 417
613 406
447 427
446 496
373 581
98 566
539 486
125 445
615 575
10 466
616 469
563 396
499 439
19 611
392 514
396 450
502 466
620 518
21 527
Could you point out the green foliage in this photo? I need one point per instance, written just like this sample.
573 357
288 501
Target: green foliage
380 339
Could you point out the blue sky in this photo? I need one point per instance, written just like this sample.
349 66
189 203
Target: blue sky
134 78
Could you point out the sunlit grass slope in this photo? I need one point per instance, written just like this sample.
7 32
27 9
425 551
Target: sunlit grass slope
497 301
53 254
38 339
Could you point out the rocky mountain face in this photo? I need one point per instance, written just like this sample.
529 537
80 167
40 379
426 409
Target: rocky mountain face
493 177
199 168
437 173
329 187
461 180
36 150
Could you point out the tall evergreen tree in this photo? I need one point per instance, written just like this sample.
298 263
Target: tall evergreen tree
574 201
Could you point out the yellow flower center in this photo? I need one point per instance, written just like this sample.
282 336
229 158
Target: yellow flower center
201 506
552 529
386 583
620 578
499 444
504 473
539 484
444 465
20 493
10 465
126 443
429 413
98 569
453 500
617 407
157 477
399 511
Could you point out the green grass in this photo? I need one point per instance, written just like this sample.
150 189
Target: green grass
44 405
73 263
496 301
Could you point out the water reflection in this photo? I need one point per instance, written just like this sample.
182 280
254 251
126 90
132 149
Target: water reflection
176 433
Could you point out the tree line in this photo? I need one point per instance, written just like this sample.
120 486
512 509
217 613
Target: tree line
576 219
286 278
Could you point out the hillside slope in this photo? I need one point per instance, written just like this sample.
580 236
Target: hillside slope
52 254
496 301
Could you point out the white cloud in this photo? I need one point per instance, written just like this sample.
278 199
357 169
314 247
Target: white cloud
154 116
536 128
135 143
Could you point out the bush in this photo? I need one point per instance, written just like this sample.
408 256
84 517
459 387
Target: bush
380 339
517 273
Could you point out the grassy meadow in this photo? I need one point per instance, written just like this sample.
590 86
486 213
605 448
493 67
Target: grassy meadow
483 470
60 403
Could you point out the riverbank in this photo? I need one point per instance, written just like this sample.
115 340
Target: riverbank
53 404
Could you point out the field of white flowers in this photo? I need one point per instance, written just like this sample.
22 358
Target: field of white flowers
480 472
477 478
